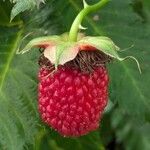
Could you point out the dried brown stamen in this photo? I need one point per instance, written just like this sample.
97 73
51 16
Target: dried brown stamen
85 61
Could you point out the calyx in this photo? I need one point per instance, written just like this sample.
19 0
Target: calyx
64 48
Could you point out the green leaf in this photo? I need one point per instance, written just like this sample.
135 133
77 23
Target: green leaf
4 13
55 141
128 133
18 114
22 5
142 8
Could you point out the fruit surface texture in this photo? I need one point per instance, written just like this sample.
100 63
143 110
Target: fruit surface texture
71 101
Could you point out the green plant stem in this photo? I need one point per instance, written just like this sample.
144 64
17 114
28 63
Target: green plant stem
83 13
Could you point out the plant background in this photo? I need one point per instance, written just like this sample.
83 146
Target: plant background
126 121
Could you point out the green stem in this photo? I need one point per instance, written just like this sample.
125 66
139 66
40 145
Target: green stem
83 13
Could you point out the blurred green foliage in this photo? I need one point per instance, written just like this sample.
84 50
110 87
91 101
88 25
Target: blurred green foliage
126 121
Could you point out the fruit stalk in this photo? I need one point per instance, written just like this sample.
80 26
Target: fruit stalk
83 13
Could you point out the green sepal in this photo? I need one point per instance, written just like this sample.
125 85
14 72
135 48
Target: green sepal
104 44
61 53
45 40
65 51
107 46
60 50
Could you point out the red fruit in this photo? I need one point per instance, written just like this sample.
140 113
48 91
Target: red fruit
72 102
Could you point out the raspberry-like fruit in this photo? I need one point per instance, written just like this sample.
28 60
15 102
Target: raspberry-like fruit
71 101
